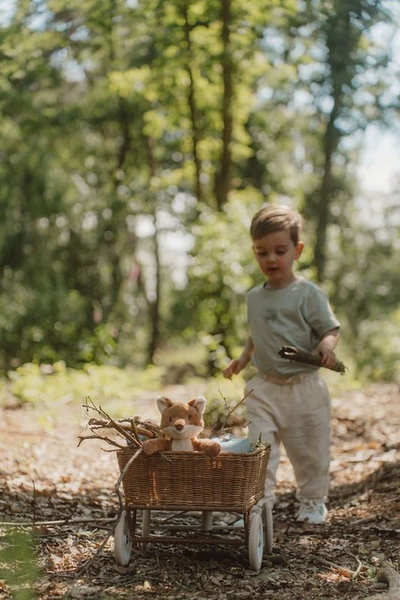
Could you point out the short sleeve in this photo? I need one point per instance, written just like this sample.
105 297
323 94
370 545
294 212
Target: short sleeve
318 312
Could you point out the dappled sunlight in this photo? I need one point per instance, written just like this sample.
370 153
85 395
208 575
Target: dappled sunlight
138 140
50 480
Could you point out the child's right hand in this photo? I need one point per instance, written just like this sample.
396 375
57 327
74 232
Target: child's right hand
234 367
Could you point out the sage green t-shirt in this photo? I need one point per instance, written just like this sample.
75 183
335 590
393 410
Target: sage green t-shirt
298 315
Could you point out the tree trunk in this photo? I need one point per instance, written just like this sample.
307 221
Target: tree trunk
154 305
192 106
340 44
224 173
330 145
115 225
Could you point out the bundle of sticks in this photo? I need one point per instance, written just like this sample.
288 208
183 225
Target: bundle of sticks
131 430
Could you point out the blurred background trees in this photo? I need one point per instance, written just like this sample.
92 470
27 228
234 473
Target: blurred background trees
137 139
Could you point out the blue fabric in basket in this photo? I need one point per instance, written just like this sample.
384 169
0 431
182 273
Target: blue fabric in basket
237 445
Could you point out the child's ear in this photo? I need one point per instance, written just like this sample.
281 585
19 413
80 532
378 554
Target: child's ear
199 403
299 250
163 403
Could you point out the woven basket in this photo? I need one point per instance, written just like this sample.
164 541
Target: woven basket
191 480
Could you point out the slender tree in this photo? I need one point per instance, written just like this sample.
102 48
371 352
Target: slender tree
223 175
344 30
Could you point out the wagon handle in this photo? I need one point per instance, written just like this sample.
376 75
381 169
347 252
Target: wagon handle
308 358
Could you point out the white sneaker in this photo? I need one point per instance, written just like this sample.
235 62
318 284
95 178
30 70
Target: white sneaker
312 511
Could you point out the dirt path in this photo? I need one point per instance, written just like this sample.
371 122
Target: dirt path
45 477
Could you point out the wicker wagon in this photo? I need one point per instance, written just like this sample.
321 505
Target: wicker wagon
189 481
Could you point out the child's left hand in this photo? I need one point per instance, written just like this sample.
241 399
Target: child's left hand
328 357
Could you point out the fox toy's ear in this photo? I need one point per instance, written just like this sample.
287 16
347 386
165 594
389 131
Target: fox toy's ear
199 403
163 403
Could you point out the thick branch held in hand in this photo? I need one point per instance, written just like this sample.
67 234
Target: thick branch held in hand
308 358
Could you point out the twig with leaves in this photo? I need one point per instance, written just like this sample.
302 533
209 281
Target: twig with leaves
223 428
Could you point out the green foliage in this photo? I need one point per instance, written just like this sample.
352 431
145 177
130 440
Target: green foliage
363 286
222 396
112 137
219 276
378 349
17 564
108 386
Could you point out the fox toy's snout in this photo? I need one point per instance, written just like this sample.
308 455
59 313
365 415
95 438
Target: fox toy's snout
180 424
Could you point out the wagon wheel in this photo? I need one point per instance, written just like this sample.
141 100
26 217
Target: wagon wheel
146 516
122 541
268 524
256 541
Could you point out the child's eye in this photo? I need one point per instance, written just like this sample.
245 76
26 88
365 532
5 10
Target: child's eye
280 252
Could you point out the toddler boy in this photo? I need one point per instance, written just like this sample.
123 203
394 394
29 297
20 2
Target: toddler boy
289 402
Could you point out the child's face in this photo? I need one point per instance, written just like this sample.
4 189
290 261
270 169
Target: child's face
275 254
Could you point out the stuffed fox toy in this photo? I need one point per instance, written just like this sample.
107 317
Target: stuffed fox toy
181 423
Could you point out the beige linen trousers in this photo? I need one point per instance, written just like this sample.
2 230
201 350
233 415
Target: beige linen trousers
295 411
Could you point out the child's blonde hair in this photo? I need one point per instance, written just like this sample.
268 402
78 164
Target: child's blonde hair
276 218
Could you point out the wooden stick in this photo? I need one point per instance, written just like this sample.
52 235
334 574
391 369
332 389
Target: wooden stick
134 429
99 437
34 502
309 358
326 563
124 470
63 522
364 520
359 567
89 562
115 425
95 424
104 423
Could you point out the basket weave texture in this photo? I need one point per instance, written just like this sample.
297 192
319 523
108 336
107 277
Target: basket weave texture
191 480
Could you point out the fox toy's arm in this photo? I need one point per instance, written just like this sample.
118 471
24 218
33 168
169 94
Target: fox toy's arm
210 447
156 445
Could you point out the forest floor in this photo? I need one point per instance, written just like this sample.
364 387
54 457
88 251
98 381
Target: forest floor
45 477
